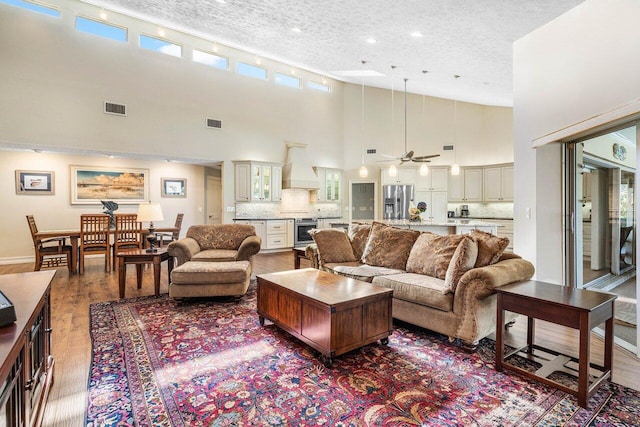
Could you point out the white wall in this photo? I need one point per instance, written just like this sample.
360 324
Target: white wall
55 211
573 69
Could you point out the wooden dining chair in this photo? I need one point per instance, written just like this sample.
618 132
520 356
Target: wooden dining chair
166 238
50 253
94 238
128 234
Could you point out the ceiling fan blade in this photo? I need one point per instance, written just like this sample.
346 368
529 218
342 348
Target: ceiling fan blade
420 160
407 155
426 157
391 157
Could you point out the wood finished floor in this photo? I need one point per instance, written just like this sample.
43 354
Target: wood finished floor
72 295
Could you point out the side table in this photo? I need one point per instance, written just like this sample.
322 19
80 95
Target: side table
574 308
139 257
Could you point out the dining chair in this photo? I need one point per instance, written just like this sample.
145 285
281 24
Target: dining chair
94 238
128 234
166 238
53 252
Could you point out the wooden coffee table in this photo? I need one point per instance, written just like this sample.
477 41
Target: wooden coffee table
140 257
332 314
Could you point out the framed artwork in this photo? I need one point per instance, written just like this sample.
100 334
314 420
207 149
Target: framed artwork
91 184
35 182
174 187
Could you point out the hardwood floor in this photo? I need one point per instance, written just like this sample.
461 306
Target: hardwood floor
72 295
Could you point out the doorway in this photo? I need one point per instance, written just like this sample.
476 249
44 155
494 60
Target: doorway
363 201
213 192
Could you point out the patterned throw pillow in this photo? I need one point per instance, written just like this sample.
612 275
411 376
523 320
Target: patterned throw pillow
358 234
333 245
490 247
389 246
431 254
464 258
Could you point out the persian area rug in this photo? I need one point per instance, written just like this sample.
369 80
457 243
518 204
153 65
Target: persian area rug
158 362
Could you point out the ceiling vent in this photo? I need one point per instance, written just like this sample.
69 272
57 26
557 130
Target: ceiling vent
371 151
447 147
117 109
214 123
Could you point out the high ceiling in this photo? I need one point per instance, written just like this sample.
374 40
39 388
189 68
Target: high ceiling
468 38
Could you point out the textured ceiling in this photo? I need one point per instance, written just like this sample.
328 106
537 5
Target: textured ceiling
469 38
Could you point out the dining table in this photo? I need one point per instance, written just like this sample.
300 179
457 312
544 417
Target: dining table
74 237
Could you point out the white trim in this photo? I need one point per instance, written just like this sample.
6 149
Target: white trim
17 260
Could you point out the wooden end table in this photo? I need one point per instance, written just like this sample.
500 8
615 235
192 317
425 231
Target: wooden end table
299 253
579 309
330 313
139 257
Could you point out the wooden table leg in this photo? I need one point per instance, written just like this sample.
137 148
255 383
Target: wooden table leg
156 274
139 275
297 260
583 360
499 335
531 332
608 344
74 254
122 274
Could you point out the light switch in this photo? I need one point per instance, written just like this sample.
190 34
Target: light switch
527 213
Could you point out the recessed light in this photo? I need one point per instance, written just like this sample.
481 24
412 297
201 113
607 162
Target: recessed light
296 30
221 1
416 34
371 40
161 32
258 60
103 15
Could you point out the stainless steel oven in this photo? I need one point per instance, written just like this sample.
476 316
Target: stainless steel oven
301 231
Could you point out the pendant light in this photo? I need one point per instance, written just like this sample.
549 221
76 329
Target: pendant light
455 168
393 170
363 169
424 169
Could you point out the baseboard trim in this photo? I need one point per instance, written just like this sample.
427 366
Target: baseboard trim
17 260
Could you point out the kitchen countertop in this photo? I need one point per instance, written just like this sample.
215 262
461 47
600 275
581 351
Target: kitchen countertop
483 217
450 222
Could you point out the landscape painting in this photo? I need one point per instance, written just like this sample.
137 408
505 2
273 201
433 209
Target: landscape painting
90 185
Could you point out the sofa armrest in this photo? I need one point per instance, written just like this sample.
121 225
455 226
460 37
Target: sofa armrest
183 249
248 248
499 274
311 252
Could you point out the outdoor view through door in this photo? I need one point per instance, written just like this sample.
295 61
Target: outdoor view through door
601 240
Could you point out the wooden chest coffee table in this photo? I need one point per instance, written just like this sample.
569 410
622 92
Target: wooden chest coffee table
330 313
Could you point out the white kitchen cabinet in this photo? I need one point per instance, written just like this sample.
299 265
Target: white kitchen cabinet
436 204
258 182
498 183
405 176
276 234
467 186
505 231
330 184
435 180
290 233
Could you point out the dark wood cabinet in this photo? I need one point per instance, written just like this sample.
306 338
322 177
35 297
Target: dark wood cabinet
26 373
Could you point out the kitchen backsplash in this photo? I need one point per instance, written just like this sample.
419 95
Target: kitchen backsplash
274 210
485 210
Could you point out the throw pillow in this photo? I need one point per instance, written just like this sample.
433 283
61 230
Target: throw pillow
389 246
490 247
464 259
358 234
333 245
431 254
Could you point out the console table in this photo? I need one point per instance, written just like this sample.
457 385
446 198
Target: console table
26 373
575 308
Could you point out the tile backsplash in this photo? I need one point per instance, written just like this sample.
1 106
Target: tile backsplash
275 210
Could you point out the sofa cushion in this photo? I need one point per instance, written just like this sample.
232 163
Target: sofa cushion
195 273
359 271
464 258
216 255
358 234
432 253
220 236
417 288
490 247
333 245
389 246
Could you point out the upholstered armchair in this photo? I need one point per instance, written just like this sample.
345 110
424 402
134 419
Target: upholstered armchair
217 243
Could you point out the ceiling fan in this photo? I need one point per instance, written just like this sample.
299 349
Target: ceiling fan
408 156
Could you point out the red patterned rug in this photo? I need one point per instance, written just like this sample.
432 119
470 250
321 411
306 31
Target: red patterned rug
157 362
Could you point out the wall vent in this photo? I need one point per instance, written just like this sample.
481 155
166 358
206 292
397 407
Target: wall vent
117 109
214 123
447 147
371 151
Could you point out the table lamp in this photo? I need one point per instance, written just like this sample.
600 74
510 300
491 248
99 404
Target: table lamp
150 212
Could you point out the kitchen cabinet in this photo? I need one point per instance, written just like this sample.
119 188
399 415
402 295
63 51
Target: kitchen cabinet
436 204
275 233
467 186
258 182
498 183
505 231
435 180
405 176
330 184
290 233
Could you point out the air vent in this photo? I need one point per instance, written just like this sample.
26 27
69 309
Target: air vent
214 124
117 109
447 147
371 151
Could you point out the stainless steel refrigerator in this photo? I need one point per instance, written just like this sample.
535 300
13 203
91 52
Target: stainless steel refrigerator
397 199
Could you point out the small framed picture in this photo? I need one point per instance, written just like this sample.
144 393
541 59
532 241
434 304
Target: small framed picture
174 187
35 182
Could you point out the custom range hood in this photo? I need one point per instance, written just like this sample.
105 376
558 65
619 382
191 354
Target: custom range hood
297 171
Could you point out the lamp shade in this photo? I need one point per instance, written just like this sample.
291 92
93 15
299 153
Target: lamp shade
150 212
